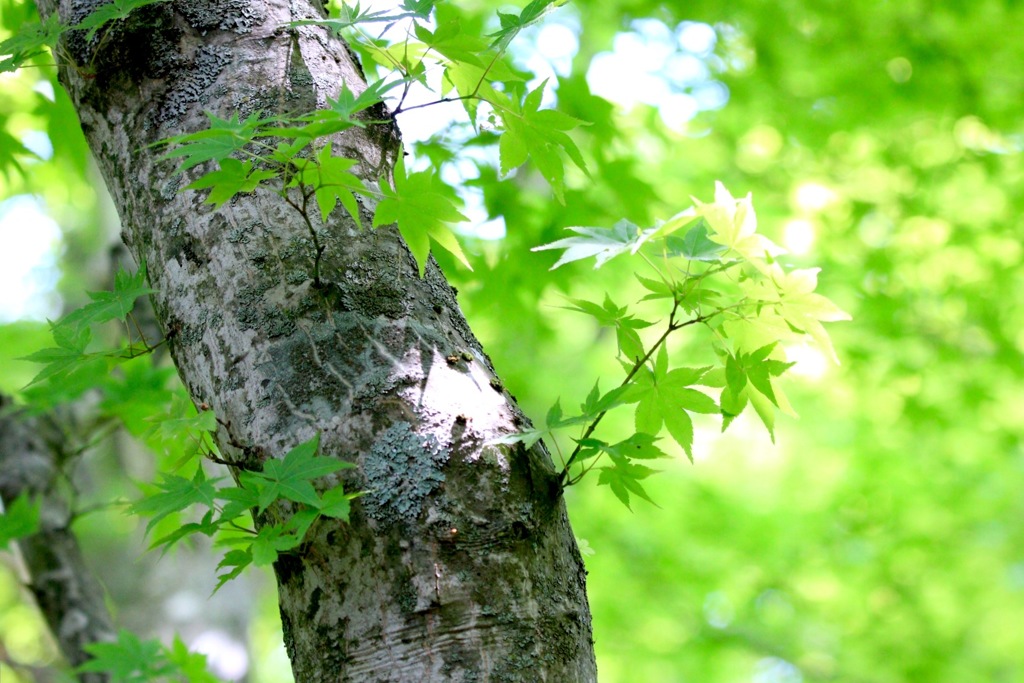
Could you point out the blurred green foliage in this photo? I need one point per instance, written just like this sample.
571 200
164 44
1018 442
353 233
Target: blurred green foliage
882 539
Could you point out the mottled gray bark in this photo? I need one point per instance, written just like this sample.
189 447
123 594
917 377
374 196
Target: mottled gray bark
68 594
459 564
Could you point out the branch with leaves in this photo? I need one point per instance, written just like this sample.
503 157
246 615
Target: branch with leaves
720 274
287 481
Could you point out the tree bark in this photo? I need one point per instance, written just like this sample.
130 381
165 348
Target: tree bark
459 563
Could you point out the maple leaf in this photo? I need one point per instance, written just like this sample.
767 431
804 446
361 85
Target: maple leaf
664 398
733 224
234 177
31 40
331 181
611 315
797 306
223 138
291 477
451 42
538 134
602 243
418 203
805 310
115 305
175 494
19 519
512 24
624 478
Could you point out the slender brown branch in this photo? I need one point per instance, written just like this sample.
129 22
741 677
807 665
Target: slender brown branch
443 100
487 70
304 211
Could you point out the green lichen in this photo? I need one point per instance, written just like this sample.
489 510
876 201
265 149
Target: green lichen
402 469
378 298
236 16
296 277
239 235
193 85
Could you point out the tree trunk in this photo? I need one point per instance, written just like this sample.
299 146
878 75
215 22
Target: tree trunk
68 594
459 563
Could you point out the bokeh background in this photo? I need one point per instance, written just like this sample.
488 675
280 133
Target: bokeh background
881 539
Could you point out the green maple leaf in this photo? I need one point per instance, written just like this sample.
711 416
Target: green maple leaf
624 479
755 329
555 418
749 378
115 305
639 446
66 357
695 245
597 403
191 425
352 14
174 495
291 477
537 134
331 181
19 519
337 117
472 82
348 104
451 42
273 539
234 177
512 24
263 551
659 289
805 310
192 665
223 138
421 8
11 148
756 367
418 202
207 527
73 332
625 324
237 559
129 659
31 40
664 399
602 243
239 502
296 527
336 503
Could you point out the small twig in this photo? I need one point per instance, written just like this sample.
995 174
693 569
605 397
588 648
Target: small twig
138 328
487 70
443 100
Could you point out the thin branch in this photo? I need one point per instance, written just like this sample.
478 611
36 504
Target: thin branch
443 100
563 478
